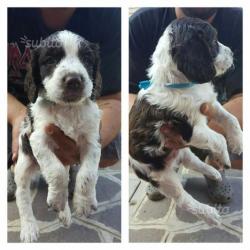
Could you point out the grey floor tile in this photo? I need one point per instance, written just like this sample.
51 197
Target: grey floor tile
211 235
75 234
110 217
146 235
154 209
106 189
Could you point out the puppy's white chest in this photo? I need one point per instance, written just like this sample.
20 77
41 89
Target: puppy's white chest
75 121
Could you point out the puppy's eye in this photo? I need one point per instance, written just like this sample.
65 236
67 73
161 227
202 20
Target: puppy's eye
86 56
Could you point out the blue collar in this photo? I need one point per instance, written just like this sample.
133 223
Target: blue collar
181 85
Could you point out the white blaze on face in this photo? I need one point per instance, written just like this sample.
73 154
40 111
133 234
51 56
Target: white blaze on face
70 64
224 59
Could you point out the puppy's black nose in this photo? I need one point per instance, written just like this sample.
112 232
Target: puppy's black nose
73 82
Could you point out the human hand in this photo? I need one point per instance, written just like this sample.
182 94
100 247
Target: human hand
66 149
173 139
209 111
16 123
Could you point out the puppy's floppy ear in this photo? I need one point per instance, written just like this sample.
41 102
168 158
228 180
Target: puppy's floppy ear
194 60
96 77
32 81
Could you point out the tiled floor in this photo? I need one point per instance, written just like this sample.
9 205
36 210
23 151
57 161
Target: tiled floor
162 222
104 225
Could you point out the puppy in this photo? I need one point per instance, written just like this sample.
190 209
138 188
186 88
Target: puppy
62 83
189 54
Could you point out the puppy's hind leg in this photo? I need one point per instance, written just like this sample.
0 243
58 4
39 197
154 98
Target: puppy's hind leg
191 161
24 171
169 184
65 215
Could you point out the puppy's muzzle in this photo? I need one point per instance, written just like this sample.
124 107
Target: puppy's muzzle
73 85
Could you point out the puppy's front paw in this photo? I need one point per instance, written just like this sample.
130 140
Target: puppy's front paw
220 153
29 231
56 200
65 216
210 215
214 174
235 142
84 205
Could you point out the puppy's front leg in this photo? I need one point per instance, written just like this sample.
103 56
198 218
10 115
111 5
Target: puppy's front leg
55 174
205 138
84 199
169 184
231 126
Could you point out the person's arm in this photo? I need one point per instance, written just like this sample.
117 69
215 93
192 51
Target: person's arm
111 117
132 98
16 114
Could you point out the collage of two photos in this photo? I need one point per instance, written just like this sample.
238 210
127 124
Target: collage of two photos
185 125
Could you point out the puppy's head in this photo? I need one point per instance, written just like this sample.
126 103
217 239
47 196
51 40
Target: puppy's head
190 46
64 69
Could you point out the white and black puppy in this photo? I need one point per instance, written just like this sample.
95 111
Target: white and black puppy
62 83
188 53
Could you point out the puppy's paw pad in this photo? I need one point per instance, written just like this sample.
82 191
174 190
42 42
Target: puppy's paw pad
29 232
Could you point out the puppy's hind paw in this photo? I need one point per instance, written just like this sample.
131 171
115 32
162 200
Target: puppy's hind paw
211 216
85 207
65 216
56 201
29 232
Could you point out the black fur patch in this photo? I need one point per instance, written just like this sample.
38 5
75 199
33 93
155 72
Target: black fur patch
145 177
26 148
142 120
89 56
194 46
30 117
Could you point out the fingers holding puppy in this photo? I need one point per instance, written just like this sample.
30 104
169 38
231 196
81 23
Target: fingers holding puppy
67 150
